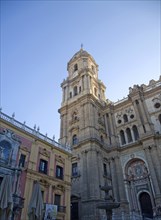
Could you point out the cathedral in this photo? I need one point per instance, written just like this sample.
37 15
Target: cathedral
114 143
103 145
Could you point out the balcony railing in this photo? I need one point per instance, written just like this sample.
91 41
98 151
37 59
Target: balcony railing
6 162
33 131
62 209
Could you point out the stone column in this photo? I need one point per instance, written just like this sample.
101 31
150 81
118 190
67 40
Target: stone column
152 173
112 130
143 115
99 170
86 108
82 83
106 125
157 168
142 111
81 121
86 81
64 94
61 127
140 120
65 128
93 173
50 194
90 114
84 190
134 196
126 139
89 77
121 184
132 134
114 180
93 116
147 119
131 202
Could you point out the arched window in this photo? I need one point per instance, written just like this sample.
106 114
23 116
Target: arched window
102 140
129 137
75 67
95 91
74 116
122 135
159 117
5 150
80 89
137 102
135 132
75 90
125 118
75 139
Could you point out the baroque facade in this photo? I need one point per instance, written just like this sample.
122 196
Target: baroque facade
29 156
116 143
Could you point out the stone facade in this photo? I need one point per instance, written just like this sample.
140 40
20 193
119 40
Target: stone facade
118 143
29 156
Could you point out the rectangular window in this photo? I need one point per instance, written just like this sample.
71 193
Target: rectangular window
59 172
22 160
74 169
70 94
43 166
57 200
105 169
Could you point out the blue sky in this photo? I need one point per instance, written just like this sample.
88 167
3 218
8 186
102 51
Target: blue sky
38 38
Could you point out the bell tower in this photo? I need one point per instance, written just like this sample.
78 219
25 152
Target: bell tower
83 128
83 98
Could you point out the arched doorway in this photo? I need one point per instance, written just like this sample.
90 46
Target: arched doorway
146 205
138 183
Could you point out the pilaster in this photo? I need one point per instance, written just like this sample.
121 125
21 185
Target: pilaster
121 184
153 174
114 180
155 160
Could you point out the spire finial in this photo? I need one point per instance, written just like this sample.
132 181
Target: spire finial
81 46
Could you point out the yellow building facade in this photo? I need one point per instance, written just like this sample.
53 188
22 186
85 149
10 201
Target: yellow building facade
32 157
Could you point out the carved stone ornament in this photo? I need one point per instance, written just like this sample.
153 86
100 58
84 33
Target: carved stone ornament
59 187
10 135
44 152
158 211
24 148
74 128
44 182
59 159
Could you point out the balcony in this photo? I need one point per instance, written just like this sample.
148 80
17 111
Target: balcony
62 209
7 162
